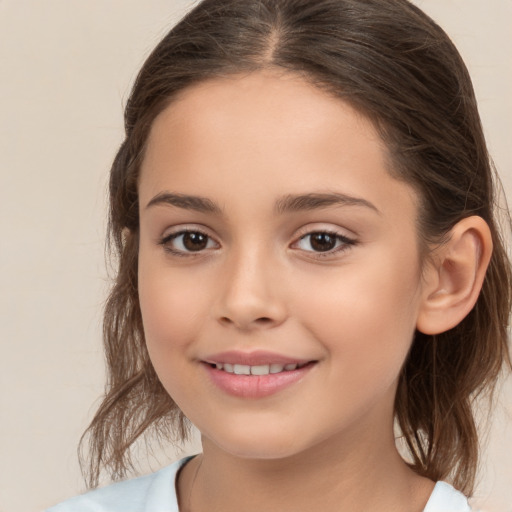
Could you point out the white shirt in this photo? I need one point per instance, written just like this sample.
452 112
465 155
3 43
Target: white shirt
157 493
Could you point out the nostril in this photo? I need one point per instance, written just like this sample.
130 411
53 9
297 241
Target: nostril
263 320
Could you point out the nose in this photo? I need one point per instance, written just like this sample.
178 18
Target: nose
250 295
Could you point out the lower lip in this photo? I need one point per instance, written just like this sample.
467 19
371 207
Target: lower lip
255 386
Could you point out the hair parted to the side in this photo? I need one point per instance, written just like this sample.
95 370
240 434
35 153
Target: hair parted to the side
396 66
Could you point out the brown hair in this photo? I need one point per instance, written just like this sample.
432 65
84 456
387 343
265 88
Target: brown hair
396 66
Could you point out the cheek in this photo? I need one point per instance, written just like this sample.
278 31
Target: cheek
173 308
173 313
366 315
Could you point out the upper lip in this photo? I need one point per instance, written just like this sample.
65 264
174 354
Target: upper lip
254 358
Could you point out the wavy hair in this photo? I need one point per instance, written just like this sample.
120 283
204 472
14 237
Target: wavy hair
397 67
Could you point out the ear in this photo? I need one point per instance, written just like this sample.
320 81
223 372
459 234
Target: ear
454 277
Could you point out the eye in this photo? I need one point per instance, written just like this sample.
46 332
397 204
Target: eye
188 241
323 242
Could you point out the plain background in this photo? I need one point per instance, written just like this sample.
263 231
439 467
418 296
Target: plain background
66 67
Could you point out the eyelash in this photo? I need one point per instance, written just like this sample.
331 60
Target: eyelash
344 242
165 242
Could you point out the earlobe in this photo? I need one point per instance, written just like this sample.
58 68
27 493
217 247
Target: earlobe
453 280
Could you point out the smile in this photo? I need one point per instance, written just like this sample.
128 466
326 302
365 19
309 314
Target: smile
256 374
264 369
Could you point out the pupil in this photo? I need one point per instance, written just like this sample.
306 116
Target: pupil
322 242
195 241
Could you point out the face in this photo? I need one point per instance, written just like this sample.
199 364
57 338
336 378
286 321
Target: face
279 272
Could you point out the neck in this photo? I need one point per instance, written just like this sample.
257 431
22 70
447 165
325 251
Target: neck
350 476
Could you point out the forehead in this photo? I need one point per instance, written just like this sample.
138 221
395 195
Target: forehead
265 132
262 103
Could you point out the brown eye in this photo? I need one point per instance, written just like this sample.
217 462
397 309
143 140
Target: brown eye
185 242
194 241
322 242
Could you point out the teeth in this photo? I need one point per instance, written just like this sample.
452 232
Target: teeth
242 369
264 369
260 370
276 368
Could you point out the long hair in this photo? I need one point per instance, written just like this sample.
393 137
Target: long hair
397 67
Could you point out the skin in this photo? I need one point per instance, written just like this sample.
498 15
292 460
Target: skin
245 143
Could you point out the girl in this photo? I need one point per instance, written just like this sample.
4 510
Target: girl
309 265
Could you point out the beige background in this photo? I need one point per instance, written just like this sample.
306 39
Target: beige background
66 67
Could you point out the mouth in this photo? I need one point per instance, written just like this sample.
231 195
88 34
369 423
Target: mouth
260 369
256 374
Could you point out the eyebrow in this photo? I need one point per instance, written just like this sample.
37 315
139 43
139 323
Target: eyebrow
197 203
294 203
285 204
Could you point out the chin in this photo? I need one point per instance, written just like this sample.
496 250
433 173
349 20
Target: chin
262 444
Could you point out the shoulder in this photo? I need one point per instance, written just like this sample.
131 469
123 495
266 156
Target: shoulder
445 498
150 493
